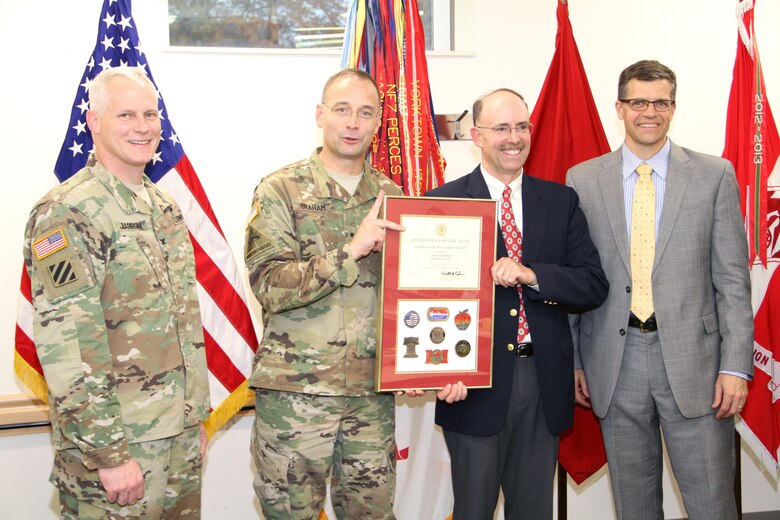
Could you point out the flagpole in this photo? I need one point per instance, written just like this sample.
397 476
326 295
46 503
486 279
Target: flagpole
563 484
738 473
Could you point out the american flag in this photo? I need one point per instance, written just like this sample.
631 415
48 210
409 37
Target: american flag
227 325
49 244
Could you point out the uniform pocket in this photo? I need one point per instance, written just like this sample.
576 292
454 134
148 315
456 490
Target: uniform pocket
154 256
71 477
271 477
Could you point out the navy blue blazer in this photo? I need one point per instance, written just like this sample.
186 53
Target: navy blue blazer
558 247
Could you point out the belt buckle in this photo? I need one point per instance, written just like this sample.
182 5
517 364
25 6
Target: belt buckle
644 327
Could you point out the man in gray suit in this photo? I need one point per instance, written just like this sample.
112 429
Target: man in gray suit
671 347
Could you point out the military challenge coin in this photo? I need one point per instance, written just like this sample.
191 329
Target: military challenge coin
437 335
462 348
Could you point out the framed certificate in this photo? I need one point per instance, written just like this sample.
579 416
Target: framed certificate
436 315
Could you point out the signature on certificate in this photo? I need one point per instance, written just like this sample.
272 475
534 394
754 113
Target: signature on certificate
452 273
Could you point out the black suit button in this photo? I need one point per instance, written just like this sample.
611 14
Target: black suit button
622 332
628 289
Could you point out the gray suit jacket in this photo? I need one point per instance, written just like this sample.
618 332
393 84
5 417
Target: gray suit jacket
701 282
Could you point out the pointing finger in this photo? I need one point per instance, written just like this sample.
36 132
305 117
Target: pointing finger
389 224
374 212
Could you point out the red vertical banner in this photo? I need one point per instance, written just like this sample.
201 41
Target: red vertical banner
752 143
567 127
752 146
567 131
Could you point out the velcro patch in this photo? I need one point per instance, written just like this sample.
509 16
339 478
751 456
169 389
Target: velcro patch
49 244
262 244
62 273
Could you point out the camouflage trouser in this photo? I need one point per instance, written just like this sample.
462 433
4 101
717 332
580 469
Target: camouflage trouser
300 440
172 475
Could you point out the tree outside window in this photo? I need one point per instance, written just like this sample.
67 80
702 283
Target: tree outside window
285 24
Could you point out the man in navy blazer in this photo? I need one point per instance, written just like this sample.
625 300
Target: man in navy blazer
507 437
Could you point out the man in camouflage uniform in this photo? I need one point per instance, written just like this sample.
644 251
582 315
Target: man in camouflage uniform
311 250
117 322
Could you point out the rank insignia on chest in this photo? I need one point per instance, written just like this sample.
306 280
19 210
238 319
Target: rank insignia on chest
62 273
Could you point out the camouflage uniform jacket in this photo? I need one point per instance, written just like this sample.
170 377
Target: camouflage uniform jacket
116 321
319 304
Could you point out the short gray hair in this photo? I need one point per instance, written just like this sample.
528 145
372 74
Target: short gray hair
98 88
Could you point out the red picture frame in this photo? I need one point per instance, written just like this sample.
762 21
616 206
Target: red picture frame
436 285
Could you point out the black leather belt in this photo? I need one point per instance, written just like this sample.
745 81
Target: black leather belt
525 350
648 325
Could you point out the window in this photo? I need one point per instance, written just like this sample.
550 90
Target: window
285 24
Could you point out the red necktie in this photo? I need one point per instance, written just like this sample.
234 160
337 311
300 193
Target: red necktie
514 247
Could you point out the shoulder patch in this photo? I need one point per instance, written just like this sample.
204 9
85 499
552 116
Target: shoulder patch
62 273
49 244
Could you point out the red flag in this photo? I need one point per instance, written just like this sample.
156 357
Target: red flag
567 128
753 147
752 143
760 425
227 326
567 131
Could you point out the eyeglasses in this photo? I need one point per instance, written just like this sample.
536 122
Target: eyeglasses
639 104
506 130
346 111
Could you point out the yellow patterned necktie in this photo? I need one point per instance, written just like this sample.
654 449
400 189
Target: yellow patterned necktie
643 243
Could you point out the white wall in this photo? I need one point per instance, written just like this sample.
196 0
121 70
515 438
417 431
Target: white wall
241 115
